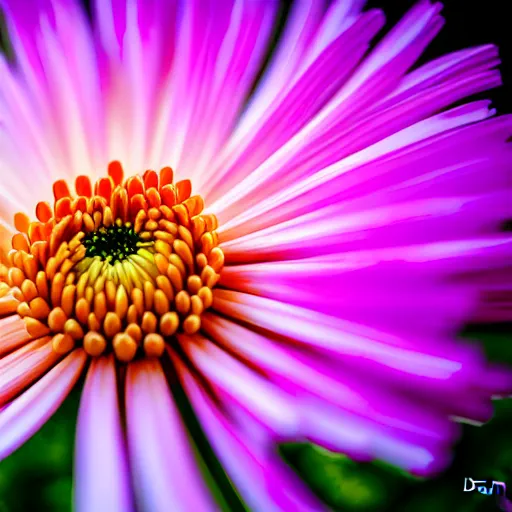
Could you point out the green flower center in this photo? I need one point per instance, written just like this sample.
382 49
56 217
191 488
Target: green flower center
112 244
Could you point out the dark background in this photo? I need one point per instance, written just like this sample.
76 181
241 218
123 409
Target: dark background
468 23
39 475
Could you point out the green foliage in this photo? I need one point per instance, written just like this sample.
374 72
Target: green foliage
38 476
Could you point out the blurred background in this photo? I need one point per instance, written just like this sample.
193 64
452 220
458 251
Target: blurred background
39 475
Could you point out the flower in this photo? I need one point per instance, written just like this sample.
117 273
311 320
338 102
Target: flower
496 302
318 296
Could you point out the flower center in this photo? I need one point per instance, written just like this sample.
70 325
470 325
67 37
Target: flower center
113 243
122 266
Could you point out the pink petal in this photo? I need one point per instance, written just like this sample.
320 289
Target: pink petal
264 482
454 65
376 76
43 95
371 167
12 334
102 480
303 22
443 365
26 415
250 391
297 104
161 456
344 227
295 370
375 286
22 353
239 38
24 369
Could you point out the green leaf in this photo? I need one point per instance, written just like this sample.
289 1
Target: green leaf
38 476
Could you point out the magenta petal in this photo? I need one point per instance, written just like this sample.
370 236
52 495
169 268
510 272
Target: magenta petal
102 480
25 416
227 46
264 481
300 372
304 20
448 367
165 472
375 285
496 301
270 405
300 100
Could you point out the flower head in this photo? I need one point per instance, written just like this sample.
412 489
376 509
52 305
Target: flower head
347 205
129 264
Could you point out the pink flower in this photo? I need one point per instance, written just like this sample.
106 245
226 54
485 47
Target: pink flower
319 296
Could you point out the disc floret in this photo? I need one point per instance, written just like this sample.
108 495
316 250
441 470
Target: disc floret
120 266
114 243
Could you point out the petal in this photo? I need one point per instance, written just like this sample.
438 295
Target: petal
102 480
265 483
338 409
24 370
296 105
295 370
444 365
337 431
53 103
392 57
22 353
375 286
237 37
495 304
427 146
302 24
340 228
12 334
161 456
434 367
273 408
26 414
176 105
420 261
455 65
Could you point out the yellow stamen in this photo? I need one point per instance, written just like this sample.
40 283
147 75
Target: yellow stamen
192 324
74 329
94 343
182 302
111 325
134 331
62 343
169 323
154 345
149 322
125 347
57 319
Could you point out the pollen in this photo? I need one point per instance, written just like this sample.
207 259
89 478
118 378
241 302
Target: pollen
120 266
